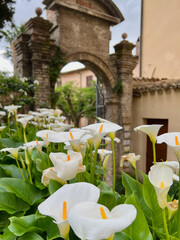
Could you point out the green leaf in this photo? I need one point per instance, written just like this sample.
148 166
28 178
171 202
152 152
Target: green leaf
54 186
15 173
28 192
107 197
121 236
4 173
4 221
151 199
21 225
41 164
133 186
7 235
9 143
139 229
49 226
30 236
11 204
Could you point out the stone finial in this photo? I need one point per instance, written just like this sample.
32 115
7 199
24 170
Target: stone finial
124 36
38 11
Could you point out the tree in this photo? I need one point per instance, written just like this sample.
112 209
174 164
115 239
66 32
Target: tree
77 102
10 35
6 11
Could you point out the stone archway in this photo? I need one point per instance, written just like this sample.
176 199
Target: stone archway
100 68
81 28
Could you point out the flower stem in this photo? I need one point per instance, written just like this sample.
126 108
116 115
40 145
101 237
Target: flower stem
154 152
99 173
114 166
91 166
178 224
135 173
165 224
94 164
20 169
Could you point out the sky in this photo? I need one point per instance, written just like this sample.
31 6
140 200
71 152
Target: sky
130 9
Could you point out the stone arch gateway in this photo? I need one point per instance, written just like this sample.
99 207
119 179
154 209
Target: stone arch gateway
81 28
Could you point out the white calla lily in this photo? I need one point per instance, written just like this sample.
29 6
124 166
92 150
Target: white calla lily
161 177
99 130
175 177
59 203
2 127
131 157
150 130
45 135
35 144
24 121
103 153
2 113
50 173
12 108
172 208
172 139
172 164
93 221
13 151
67 165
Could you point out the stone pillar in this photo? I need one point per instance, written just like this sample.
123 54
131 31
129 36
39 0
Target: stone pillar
41 48
32 55
22 56
125 63
113 114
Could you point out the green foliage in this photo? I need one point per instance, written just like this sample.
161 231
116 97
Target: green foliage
118 88
77 102
10 34
19 91
6 11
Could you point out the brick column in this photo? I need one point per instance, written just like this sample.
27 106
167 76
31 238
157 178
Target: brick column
125 63
22 55
41 48
113 114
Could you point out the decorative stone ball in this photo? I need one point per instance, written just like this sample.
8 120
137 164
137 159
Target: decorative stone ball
124 36
38 11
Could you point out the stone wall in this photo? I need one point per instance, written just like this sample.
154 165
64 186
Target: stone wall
81 28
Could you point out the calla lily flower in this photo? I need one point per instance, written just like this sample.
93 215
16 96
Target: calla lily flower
24 121
174 165
51 173
99 130
172 208
13 151
2 127
175 177
108 140
59 203
45 135
150 130
172 139
103 153
67 165
2 113
12 108
93 221
132 158
35 144
161 177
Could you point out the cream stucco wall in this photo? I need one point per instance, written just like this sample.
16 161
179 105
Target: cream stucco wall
77 76
161 38
157 105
